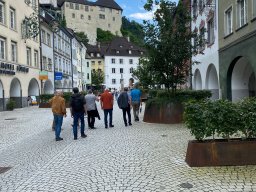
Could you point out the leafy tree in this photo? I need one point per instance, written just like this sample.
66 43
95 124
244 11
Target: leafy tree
97 78
168 39
63 22
104 36
82 37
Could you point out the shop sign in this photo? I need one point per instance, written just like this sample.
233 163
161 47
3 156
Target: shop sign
23 69
7 69
58 76
43 75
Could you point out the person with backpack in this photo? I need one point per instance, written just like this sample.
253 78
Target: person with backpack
124 103
78 110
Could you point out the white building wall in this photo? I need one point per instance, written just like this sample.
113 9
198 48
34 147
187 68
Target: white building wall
210 57
117 75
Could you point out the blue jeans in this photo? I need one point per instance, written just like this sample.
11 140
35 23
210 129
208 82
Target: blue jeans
106 112
76 117
58 119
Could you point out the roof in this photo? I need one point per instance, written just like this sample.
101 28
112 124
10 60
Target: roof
108 3
120 46
102 3
95 49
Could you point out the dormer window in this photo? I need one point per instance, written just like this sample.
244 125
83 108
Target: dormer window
130 52
117 52
141 52
98 55
92 55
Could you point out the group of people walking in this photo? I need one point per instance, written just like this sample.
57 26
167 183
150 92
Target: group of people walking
81 105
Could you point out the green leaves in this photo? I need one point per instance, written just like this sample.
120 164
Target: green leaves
222 118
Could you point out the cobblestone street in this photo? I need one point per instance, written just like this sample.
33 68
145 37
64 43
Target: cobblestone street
141 157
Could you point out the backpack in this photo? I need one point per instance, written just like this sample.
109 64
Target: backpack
77 103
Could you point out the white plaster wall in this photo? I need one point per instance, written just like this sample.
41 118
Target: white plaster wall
210 54
126 70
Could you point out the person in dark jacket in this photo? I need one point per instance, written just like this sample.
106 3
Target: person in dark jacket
124 103
78 110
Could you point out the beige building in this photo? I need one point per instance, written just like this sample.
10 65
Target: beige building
87 16
237 37
19 52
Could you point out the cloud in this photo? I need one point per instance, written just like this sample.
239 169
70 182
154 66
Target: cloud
142 16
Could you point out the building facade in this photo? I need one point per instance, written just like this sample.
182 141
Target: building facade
87 16
205 74
63 66
237 37
121 58
19 52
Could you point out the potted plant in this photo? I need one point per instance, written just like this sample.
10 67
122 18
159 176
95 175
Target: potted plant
225 132
10 105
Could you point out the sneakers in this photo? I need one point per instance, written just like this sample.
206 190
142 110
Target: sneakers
130 124
75 138
111 125
106 126
59 139
83 136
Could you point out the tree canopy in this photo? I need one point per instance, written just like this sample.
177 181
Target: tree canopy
168 40
82 37
97 78
104 36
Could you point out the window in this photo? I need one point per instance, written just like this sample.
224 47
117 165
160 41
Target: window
12 18
121 61
114 18
67 4
93 62
110 10
202 39
102 9
113 81
194 7
2 12
89 17
71 6
36 58
82 16
254 9
228 21
242 12
131 70
109 25
13 51
28 56
2 48
101 16
121 70
99 70
44 62
48 39
86 8
210 31
99 62
73 15
88 76
49 64
130 61
113 61
113 70
77 6
98 55
43 36
130 52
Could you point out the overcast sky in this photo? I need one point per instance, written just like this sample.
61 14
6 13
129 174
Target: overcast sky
133 9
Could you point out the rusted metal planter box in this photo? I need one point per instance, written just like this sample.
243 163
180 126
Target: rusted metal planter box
170 113
235 152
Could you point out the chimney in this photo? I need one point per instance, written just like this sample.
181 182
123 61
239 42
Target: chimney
128 38
98 44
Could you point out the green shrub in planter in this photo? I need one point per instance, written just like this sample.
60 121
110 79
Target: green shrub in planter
44 98
247 114
10 105
152 93
226 119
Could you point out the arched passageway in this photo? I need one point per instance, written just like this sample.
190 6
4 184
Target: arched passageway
33 88
241 79
48 87
16 92
197 80
212 82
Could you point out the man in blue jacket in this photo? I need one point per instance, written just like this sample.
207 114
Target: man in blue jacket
136 101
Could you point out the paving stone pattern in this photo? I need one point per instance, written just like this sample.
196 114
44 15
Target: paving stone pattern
142 157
